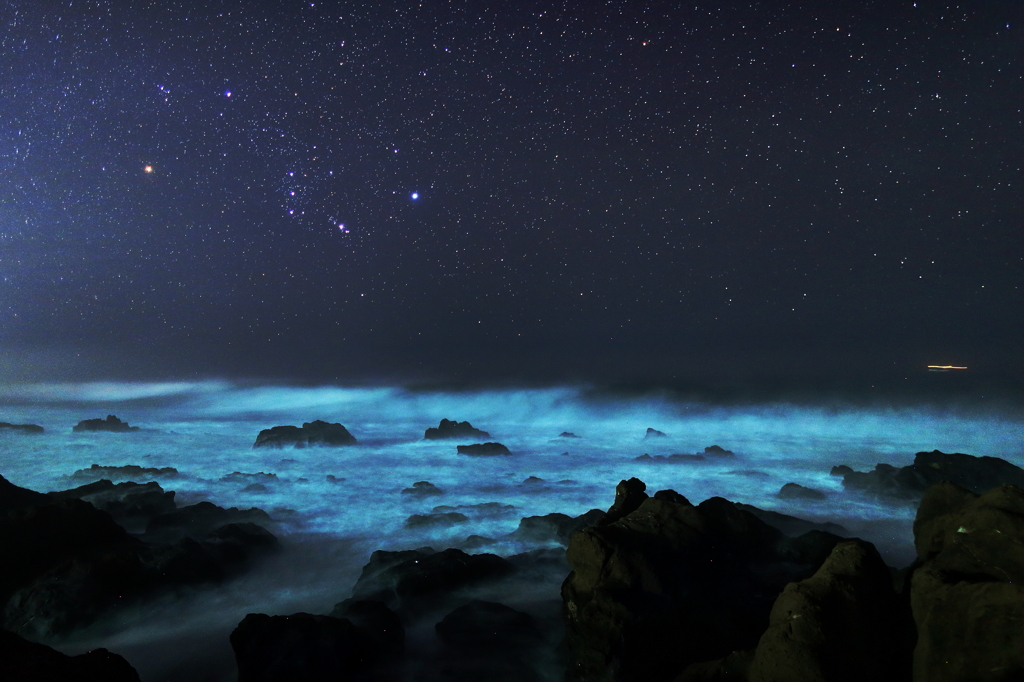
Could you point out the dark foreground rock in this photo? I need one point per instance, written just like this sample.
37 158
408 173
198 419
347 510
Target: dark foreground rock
196 521
452 429
483 449
554 527
408 581
667 584
25 429
489 641
967 591
25 661
316 648
311 433
791 525
13 497
111 424
909 483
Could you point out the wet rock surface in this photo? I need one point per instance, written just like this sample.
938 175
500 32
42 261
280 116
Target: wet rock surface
111 424
310 433
483 449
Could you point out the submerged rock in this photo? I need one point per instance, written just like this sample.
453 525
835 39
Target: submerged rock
567 434
111 423
130 471
26 429
483 449
422 489
717 451
453 429
433 520
311 433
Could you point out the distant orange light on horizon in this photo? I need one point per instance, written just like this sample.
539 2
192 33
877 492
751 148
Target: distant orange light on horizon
944 367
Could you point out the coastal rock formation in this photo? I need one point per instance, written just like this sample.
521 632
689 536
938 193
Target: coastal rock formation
967 592
313 648
127 471
718 451
795 491
670 459
791 525
483 449
131 504
909 483
13 497
654 433
434 520
554 527
26 429
409 580
22 660
664 584
196 521
422 489
453 429
311 433
111 423
486 640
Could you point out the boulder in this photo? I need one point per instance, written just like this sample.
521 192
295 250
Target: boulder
671 459
795 491
311 433
840 470
25 429
489 641
408 581
668 584
567 434
297 647
22 660
654 433
434 520
111 423
483 449
791 525
453 429
127 471
843 623
717 451
967 592
422 489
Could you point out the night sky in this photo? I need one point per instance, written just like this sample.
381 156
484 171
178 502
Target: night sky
684 194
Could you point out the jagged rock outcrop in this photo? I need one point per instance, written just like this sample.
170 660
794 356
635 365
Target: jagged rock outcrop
13 497
909 483
25 429
311 433
791 525
131 504
554 527
667 583
25 661
196 521
422 489
111 423
967 591
483 449
453 429
654 433
126 471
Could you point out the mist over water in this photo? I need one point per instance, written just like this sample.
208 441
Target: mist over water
329 527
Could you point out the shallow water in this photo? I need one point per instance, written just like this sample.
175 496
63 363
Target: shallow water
206 431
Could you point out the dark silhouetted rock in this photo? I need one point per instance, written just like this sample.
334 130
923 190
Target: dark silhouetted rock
654 433
843 623
297 647
25 661
840 470
795 491
554 527
967 593
477 542
131 504
909 483
629 495
483 449
380 627
533 480
129 471
111 423
671 459
791 525
311 433
433 520
197 520
24 429
258 477
13 497
422 489
452 429
716 451
409 580
669 584
487 625
567 434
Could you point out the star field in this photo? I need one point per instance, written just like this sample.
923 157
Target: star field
528 191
